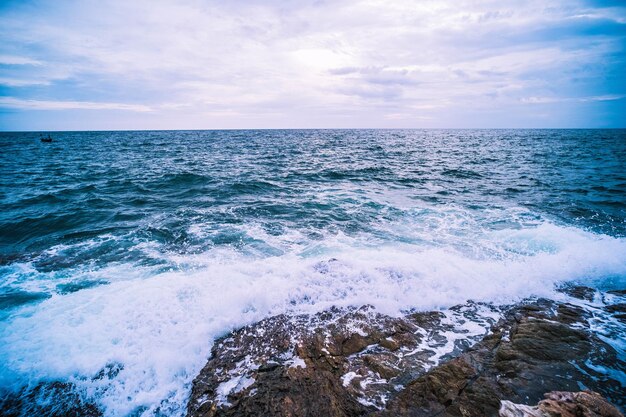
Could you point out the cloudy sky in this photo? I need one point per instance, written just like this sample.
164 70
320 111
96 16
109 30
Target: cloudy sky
204 64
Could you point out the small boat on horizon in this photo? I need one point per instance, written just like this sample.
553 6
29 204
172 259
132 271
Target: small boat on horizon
46 139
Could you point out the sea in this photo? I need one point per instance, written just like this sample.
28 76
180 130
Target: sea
135 250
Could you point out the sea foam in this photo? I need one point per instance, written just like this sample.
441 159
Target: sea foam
159 328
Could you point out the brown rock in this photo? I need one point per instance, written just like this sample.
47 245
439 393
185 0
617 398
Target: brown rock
357 362
563 404
390 343
382 364
355 343
535 349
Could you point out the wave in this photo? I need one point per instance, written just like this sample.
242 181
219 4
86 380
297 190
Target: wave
159 325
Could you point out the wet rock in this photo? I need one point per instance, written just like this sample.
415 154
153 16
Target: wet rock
617 308
580 292
50 399
574 404
335 363
110 371
382 364
295 371
563 404
617 304
535 349
618 311
509 409
390 343
357 362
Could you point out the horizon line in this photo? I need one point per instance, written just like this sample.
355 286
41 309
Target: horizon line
313 128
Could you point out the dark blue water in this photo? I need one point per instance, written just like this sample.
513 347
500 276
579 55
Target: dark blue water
140 247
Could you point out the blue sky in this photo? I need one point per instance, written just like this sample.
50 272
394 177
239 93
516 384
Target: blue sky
192 64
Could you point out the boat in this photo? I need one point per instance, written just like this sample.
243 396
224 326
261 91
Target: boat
47 139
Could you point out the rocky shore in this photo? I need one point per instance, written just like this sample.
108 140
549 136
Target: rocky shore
358 362
539 358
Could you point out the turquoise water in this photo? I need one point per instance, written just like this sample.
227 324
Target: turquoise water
140 248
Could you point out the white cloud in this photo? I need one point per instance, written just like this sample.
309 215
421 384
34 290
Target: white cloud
549 100
18 60
17 82
16 103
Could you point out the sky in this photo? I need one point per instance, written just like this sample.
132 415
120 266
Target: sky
204 64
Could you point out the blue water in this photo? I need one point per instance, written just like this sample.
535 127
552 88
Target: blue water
140 248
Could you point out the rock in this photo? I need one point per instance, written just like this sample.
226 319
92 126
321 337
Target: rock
296 365
534 349
58 398
382 364
619 311
357 362
617 308
574 404
337 363
510 409
390 343
580 292
563 404
50 399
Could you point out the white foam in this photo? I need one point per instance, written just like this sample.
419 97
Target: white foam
232 386
347 378
161 326
294 361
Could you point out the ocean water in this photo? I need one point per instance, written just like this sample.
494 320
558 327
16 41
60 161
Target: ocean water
133 251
